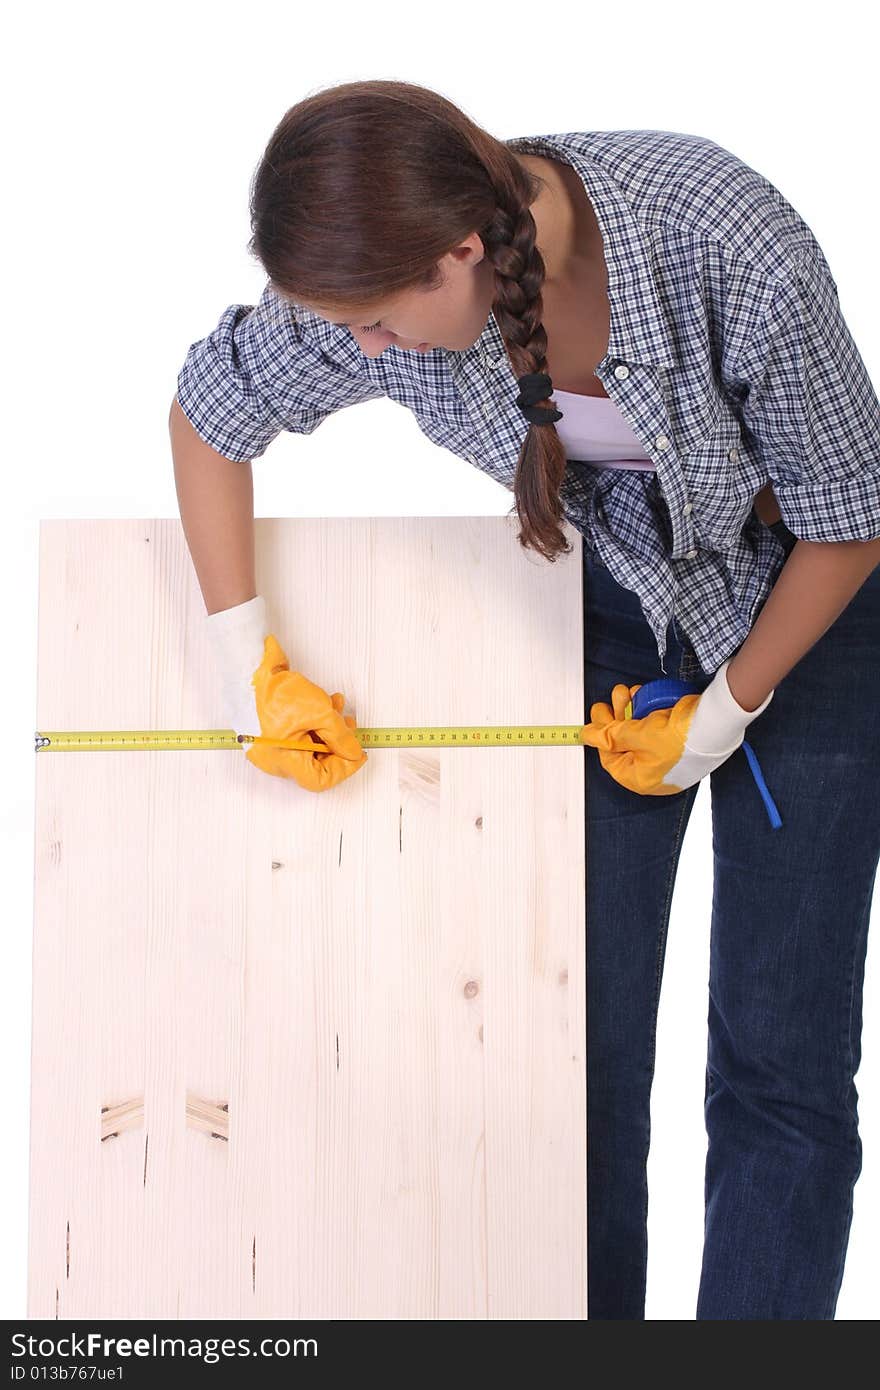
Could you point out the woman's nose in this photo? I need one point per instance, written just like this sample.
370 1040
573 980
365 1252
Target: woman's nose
371 344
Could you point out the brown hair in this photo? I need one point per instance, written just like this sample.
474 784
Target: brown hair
363 187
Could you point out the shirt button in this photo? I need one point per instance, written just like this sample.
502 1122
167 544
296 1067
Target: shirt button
662 441
687 509
733 455
690 554
621 372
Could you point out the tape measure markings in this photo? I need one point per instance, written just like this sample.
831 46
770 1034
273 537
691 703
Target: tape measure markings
440 736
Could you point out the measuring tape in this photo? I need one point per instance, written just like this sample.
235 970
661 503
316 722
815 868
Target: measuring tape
655 695
413 736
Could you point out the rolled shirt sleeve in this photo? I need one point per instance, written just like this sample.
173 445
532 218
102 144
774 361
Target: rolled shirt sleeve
812 409
259 372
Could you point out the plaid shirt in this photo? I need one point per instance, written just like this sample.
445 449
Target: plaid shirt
727 355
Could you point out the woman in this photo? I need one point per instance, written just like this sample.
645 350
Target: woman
637 334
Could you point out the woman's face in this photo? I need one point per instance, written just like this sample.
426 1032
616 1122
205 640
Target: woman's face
452 316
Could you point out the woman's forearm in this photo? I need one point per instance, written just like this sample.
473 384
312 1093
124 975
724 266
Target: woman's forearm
816 583
216 501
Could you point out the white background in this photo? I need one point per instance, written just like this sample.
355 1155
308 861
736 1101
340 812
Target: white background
131 133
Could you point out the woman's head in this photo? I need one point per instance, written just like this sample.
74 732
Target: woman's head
382 202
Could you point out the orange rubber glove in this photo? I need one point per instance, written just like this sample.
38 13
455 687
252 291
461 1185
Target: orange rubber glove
669 749
291 706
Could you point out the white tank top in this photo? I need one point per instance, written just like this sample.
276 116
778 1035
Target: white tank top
593 430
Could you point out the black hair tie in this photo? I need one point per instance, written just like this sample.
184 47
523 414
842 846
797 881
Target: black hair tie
535 387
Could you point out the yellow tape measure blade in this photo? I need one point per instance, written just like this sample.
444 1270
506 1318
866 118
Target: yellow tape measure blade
411 736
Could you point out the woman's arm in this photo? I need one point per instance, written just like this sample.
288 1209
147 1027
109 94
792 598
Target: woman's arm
766 506
216 501
816 583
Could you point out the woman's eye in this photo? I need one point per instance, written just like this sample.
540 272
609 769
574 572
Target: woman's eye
377 324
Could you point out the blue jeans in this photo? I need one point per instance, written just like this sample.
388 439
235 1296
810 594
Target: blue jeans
790 910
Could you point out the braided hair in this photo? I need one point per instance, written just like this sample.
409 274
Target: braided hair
519 275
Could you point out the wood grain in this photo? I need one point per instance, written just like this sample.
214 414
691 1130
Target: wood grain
298 1054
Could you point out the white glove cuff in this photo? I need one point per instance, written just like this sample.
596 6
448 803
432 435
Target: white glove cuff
238 636
720 722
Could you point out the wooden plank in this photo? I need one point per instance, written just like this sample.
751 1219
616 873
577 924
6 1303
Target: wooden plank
298 1054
